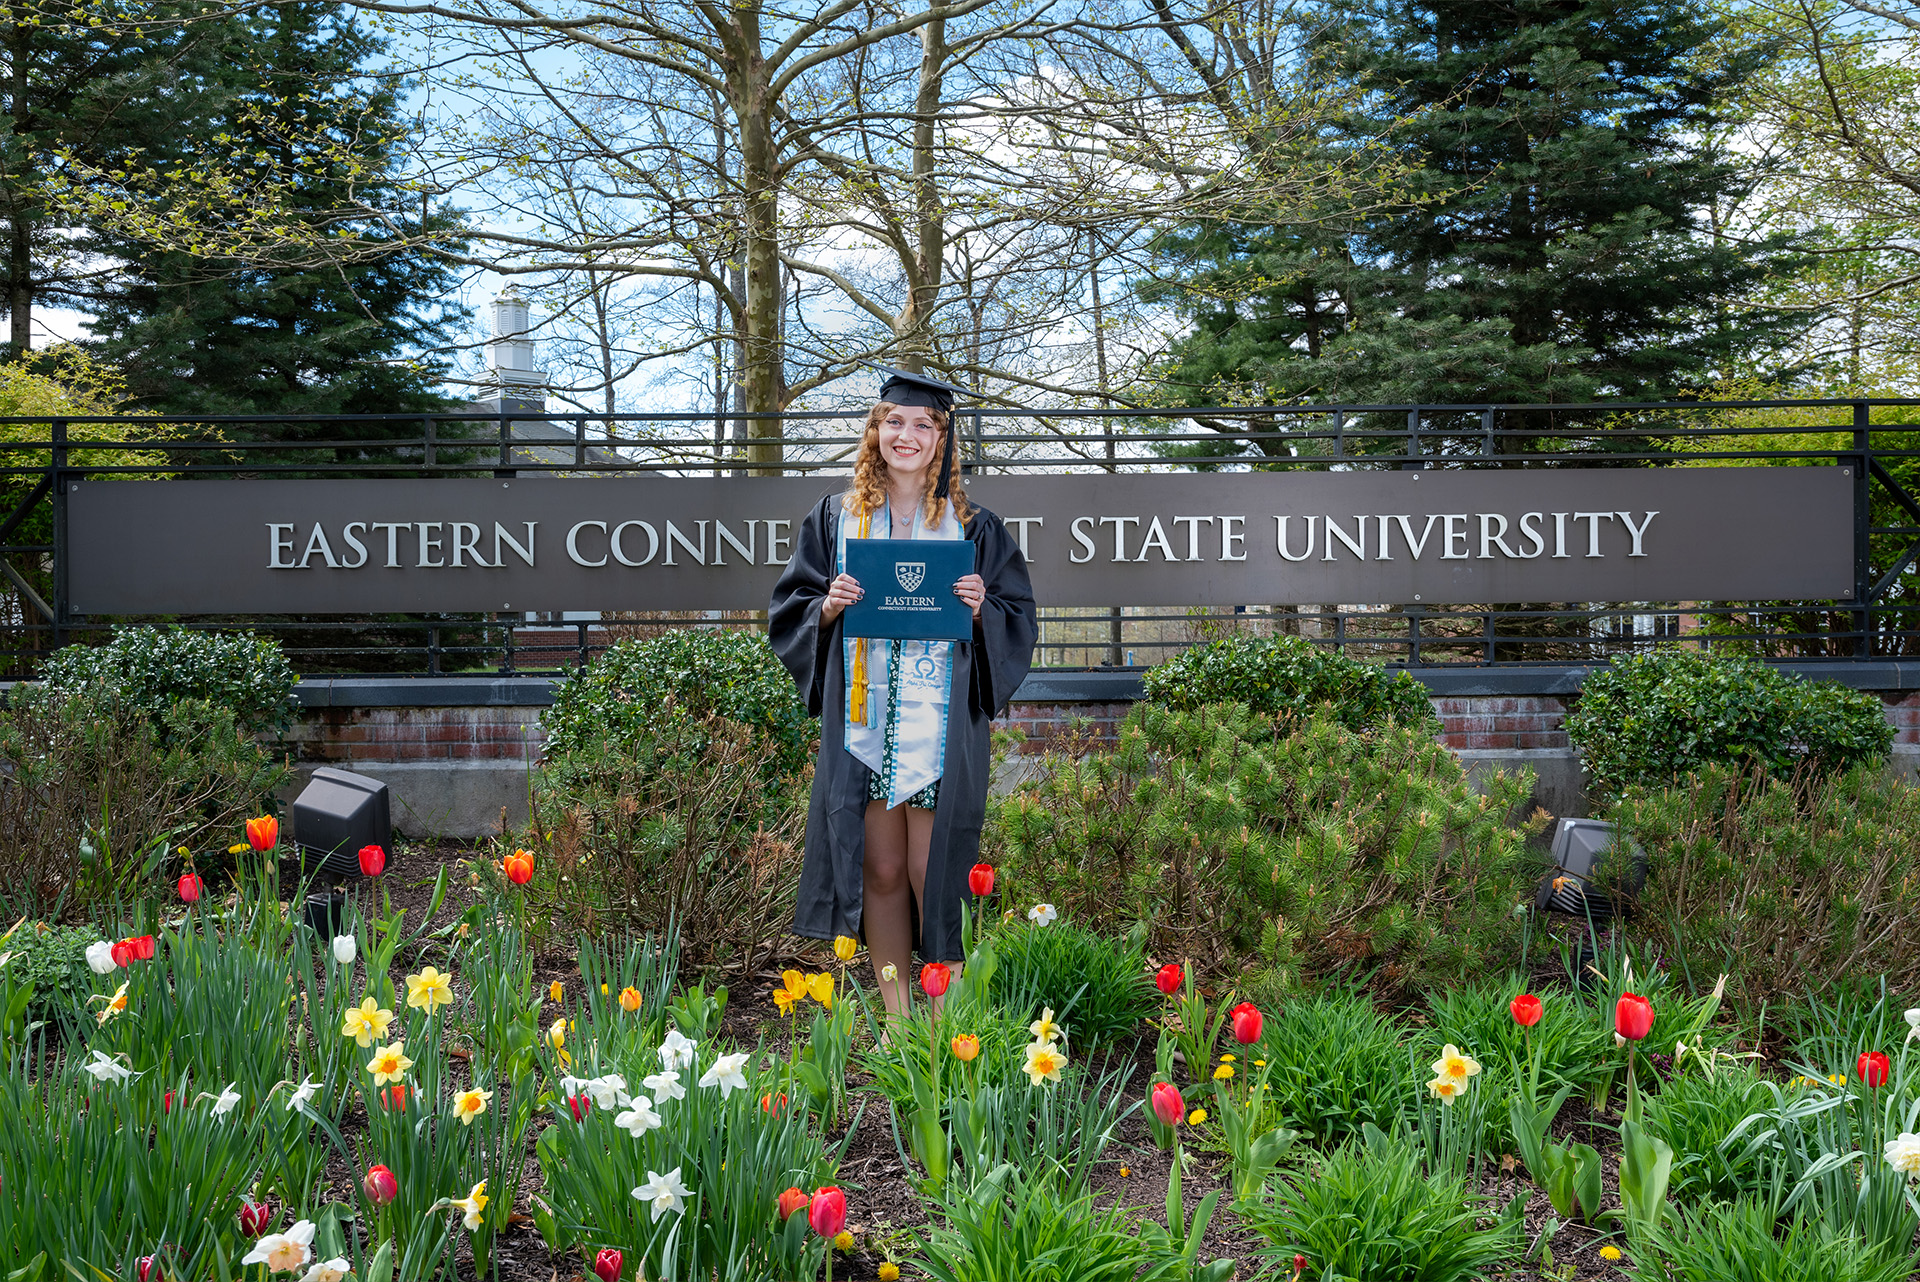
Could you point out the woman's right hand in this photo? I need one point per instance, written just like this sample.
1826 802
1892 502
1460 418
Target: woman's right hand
841 593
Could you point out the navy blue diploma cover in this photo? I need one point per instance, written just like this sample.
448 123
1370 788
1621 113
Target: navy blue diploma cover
908 587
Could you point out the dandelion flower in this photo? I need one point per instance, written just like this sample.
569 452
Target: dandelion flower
1609 1252
1223 1073
1196 1117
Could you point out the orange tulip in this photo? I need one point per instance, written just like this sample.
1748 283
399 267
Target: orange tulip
519 867
263 833
965 1047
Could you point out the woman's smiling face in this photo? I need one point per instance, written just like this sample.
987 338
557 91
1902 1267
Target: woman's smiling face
909 439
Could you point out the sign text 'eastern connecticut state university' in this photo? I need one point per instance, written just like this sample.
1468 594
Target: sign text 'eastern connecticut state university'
666 543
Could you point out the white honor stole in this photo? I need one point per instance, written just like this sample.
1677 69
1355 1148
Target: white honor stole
917 709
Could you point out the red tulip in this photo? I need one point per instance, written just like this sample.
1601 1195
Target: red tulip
1170 978
145 1265
934 978
1168 1106
980 879
373 860
263 833
166 1102
1299 1264
827 1212
791 1201
255 1218
606 1265
380 1184
519 867
394 1096
1873 1067
142 947
1526 1009
774 1105
1633 1016
122 952
1246 1023
190 887
581 1106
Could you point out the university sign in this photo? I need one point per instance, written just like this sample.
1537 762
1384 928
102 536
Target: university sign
662 543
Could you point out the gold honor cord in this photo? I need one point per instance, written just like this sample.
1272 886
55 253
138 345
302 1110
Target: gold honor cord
857 696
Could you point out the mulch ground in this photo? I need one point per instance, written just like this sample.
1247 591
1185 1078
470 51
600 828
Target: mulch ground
883 1209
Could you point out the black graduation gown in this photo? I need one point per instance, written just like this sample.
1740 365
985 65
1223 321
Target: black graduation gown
986 672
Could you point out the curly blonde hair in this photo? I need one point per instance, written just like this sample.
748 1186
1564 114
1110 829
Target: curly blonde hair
869 489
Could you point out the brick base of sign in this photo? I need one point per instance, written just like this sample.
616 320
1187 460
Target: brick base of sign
454 770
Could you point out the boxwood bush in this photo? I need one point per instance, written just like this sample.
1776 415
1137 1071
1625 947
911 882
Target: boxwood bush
145 671
1652 718
1292 676
618 700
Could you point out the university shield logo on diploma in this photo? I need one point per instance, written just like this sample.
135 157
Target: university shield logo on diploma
910 573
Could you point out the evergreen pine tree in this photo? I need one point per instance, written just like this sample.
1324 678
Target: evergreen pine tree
1554 249
198 335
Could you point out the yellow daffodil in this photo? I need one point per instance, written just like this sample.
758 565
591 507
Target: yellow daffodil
845 946
115 1004
1044 1029
1196 1117
629 999
1223 1073
472 1204
1455 1063
557 1033
468 1105
1044 1062
1447 1089
430 989
366 1023
389 1064
820 988
556 991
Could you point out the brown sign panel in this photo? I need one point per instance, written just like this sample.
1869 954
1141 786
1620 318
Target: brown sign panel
663 543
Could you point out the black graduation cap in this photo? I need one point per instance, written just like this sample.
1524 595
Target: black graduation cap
902 388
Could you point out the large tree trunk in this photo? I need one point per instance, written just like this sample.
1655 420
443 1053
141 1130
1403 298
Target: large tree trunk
762 375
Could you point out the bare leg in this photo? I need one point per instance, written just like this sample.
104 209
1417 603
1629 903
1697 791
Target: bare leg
888 901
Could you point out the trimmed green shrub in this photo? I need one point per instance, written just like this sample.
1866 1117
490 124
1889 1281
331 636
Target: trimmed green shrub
1292 676
620 698
1370 1212
1095 984
1654 717
143 671
1786 889
1324 851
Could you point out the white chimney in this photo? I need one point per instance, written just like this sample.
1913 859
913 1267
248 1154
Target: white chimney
510 351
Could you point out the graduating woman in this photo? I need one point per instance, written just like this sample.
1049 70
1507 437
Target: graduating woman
900 788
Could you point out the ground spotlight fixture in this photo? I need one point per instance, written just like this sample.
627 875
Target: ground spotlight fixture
1580 850
338 813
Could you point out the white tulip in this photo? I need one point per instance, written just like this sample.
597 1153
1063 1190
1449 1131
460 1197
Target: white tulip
345 949
100 958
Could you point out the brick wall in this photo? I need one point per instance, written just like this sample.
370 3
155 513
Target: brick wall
1905 715
345 736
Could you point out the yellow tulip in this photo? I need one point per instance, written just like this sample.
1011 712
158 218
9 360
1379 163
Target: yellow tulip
557 1034
820 988
556 991
795 984
845 946
784 1000
629 999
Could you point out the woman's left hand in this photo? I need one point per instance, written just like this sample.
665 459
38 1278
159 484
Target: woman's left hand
973 590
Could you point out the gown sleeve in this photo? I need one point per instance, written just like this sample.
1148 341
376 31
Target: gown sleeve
793 617
1004 634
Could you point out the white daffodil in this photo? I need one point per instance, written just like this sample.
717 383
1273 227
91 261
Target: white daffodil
100 958
1913 1023
302 1095
471 1206
328 1270
108 1070
726 1074
639 1119
665 1085
608 1092
663 1193
225 1101
345 949
676 1052
1903 1154
889 972
283 1252
1042 914
573 1085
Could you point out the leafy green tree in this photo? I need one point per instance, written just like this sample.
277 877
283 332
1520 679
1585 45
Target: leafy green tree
1555 249
198 334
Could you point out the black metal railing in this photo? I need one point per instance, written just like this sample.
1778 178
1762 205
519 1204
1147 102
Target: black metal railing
1878 439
